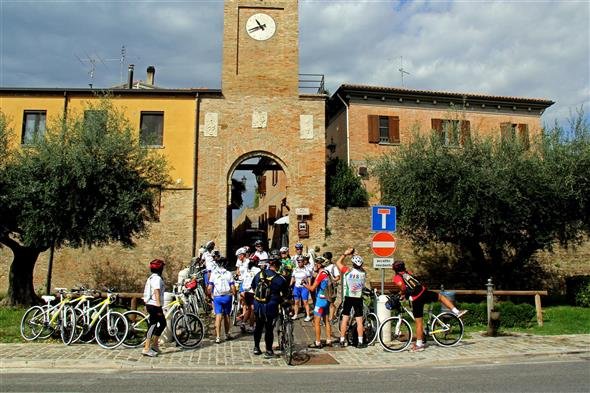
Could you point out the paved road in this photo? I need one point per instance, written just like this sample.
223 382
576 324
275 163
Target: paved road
565 374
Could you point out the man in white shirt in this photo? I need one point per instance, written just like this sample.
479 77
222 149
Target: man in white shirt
261 254
221 287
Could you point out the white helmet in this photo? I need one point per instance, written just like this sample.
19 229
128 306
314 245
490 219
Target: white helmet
240 251
284 249
357 260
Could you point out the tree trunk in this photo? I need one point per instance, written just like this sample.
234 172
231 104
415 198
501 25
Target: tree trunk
21 291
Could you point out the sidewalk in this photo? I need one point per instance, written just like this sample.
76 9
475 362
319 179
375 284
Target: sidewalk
237 354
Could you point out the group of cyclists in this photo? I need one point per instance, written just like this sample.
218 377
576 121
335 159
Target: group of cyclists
299 281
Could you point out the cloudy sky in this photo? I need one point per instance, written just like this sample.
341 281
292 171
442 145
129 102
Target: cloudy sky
538 49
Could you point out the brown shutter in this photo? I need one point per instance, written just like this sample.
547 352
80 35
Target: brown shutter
373 129
262 185
393 129
505 130
523 133
465 131
437 125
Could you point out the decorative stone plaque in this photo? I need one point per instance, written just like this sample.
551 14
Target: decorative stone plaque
211 124
306 126
259 119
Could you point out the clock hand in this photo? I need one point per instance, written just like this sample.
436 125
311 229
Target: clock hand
259 25
255 28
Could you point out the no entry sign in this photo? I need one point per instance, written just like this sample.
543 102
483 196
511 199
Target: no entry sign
383 244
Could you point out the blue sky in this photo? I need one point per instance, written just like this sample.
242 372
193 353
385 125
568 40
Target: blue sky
538 49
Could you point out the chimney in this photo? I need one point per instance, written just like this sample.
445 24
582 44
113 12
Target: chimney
151 73
130 81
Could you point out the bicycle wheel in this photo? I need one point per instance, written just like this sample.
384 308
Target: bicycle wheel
395 334
447 329
32 323
111 330
288 342
80 327
188 330
236 310
371 324
68 326
138 327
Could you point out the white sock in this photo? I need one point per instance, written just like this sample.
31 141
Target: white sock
419 343
341 339
360 339
455 310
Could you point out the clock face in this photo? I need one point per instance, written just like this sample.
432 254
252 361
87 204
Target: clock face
260 27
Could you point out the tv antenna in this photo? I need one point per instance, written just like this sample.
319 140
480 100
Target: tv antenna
121 60
401 69
92 61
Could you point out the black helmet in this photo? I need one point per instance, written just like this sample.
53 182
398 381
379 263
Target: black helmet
216 254
210 245
258 243
399 266
274 254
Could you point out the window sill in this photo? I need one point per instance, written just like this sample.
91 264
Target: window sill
389 143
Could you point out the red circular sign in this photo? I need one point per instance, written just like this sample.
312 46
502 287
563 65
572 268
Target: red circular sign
383 244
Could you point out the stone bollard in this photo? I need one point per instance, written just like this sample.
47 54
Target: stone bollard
490 298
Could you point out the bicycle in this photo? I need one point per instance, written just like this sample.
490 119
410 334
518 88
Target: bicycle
43 321
285 334
370 320
187 328
236 309
110 327
395 333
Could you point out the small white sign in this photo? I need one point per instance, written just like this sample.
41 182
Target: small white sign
382 263
302 211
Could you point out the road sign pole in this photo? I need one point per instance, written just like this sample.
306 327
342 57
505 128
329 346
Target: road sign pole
382 280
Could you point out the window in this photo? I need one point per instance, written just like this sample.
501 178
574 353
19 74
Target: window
33 126
383 129
152 129
452 132
509 131
95 121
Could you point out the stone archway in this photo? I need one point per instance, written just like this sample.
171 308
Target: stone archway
261 180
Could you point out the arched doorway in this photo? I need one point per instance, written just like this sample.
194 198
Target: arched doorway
257 195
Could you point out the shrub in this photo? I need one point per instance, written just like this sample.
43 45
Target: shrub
117 276
583 294
516 315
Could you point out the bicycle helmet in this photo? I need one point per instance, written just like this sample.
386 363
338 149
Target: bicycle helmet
357 260
210 245
299 258
157 264
399 266
299 246
240 251
327 255
216 254
258 243
274 254
284 249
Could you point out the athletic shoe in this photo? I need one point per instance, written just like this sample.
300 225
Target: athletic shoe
315 345
294 317
269 354
256 351
328 344
361 345
342 344
155 349
307 318
150 352
461 313
228 337
217 340
417 348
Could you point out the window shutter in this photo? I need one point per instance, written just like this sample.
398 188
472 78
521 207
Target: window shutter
394 129
505 130
262 185
373 129
437 125
465 131
523 133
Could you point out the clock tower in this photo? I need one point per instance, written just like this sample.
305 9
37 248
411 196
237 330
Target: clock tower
260 48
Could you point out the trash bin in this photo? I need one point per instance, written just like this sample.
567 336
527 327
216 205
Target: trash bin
167 333
449 295
383 313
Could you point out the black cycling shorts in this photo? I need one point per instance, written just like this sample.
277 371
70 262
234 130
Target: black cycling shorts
418 304
353 303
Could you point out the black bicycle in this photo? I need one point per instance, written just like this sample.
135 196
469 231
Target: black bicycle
285 333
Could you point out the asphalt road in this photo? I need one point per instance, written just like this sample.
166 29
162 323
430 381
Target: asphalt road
570 374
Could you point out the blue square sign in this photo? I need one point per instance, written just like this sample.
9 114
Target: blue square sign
383 219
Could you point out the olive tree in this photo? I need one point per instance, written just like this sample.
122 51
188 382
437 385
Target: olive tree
87 182
491 203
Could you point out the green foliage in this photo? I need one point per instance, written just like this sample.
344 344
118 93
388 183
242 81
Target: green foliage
10 324
516 315
582 295
237 191
88 182
113 275
345 188
492 204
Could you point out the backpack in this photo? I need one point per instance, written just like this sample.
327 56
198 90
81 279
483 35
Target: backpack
330 291
262 291
413 286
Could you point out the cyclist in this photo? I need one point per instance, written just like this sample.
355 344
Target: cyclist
298 251
260 253
287 264
332 269
300 293
322 304
209 260
354 281
221 287
266 313
241 267
419 295
153 297
247 324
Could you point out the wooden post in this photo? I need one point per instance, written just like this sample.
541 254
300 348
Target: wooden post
490 298
133 303
539 309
